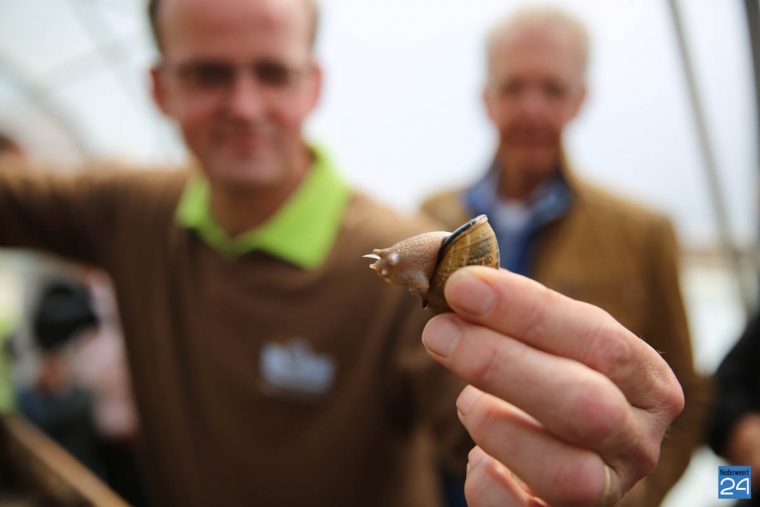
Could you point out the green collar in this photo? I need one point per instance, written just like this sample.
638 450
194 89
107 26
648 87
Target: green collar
302 231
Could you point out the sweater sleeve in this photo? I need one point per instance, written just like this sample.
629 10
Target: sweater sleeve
737 387
67 215
668 333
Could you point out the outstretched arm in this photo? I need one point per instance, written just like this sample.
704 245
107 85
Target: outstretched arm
44 211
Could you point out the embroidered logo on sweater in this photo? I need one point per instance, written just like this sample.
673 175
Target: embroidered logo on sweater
293 369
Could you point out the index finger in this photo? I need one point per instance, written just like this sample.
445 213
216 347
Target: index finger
546 320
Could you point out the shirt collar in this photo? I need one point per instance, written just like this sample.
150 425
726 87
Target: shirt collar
302 231
548 202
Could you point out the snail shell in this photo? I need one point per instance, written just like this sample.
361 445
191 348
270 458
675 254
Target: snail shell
424 262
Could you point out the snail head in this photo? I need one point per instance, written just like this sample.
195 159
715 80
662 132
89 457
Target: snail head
410 262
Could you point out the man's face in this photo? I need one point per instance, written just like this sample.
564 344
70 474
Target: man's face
238 77
535 88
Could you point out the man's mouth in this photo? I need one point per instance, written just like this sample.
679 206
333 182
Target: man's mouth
531 137
244 141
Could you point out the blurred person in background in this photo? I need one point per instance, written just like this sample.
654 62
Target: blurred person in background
81 393
566 233
53 400
735 429
270 367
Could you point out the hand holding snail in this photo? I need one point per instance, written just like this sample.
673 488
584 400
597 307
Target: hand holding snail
561 396
424 262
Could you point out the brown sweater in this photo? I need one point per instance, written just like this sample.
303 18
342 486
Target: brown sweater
218 429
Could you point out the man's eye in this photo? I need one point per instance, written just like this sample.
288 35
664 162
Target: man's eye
554 90
273 74
511 88
208 75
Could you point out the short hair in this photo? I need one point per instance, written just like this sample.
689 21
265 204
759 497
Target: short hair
154 6
542 16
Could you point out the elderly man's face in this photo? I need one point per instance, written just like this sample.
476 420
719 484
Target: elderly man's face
238 77
535 88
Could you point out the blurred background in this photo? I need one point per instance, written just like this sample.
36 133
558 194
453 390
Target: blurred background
402 116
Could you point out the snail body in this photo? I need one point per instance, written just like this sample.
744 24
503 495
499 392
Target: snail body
424 262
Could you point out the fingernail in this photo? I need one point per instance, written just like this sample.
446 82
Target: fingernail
467 399
470 293
441 337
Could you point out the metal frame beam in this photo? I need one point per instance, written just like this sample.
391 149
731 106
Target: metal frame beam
745 288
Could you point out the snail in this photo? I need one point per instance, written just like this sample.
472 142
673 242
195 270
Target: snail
424 262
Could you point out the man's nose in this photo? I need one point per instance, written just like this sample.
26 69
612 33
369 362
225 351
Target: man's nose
535 103
246 98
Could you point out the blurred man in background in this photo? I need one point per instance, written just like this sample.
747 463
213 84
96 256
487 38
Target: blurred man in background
566 233
270 367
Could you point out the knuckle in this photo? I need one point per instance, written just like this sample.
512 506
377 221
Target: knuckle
639 461
579 482
490 361
648 457
666 394
484 362
672 395
480 418
533 315
608 349
597 413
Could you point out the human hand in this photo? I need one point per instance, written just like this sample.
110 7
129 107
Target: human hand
566 406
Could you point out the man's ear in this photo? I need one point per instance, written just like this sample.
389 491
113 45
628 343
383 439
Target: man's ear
580 99
488 102
315 82
158 89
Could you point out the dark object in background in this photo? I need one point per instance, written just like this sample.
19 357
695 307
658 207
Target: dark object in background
737 384
63 411
64 310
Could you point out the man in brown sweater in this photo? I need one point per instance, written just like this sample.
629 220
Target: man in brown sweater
270 366
566 233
